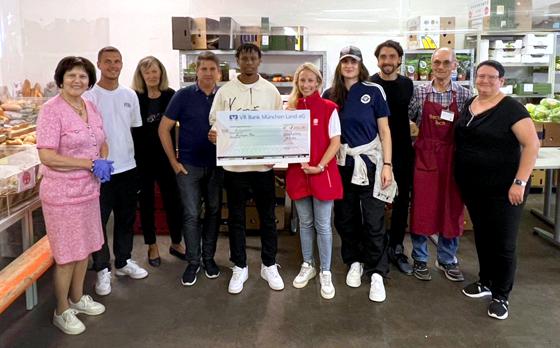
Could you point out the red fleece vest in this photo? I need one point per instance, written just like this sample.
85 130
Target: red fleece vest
326 185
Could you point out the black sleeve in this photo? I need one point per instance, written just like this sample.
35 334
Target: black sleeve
515 111
327 94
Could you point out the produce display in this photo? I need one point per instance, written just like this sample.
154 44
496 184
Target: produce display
418 67
548 110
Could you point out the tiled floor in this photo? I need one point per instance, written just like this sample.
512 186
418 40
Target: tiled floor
159 312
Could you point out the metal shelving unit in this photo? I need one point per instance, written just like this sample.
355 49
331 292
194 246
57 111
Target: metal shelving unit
273 62
521 72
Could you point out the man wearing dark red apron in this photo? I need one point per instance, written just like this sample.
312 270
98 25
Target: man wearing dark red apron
437 207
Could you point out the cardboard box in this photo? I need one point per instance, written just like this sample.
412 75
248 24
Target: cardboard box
551 134
538 50
538 177
293 38
489 15
426 32
532 88
506 44
505 55
265 32
252 218
250 34
535 58
447 40
229 34
204 33
181 33
539 126
548 19
538 40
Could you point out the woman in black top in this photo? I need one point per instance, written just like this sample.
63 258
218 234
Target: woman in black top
151 85
496 150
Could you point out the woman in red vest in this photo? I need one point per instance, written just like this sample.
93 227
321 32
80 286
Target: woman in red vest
315 185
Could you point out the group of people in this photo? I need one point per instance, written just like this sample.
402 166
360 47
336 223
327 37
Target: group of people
101 143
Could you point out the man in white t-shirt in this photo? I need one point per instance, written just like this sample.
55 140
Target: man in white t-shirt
249 91
120 110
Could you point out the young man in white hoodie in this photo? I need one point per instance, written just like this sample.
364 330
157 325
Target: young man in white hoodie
249 92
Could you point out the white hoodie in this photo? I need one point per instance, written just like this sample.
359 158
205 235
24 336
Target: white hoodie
237 96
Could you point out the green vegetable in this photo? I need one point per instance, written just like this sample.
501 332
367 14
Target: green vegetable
530 107
541 113
554 115
550 103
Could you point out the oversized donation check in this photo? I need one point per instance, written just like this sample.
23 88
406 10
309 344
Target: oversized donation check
262 137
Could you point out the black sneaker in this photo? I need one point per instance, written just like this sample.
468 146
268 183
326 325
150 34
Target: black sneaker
498 309
476 290
399 259
421 271
189 276
451 271
211 269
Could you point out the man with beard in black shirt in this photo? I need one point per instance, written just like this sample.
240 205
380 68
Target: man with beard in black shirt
398 90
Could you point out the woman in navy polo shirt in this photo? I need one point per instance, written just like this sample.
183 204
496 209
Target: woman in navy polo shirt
365 167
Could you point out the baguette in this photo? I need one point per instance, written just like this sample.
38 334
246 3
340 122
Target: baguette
16 141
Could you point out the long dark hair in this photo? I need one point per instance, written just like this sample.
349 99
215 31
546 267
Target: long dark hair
339 92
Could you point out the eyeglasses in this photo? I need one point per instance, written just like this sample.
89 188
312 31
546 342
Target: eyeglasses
445 63
488 77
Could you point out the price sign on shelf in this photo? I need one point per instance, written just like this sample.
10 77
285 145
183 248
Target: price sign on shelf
26 180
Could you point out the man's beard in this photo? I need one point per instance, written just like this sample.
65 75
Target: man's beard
388 69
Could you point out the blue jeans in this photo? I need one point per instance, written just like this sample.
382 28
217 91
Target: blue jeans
201 184
314 212
446 249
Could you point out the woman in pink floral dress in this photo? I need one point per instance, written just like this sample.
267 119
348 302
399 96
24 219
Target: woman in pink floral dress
72 148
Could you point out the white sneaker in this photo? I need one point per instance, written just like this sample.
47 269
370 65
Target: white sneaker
87 305
354 276
306 273
103 282
377 289
271 275
238 277
132 270
68 323
327 288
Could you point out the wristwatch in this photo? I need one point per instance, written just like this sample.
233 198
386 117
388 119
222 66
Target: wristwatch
520 182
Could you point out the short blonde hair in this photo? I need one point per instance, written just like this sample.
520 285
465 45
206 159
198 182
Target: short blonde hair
138 83
296 93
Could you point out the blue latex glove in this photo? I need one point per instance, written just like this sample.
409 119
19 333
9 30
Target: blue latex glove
102 169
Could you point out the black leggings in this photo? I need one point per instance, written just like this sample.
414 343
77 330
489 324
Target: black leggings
495 224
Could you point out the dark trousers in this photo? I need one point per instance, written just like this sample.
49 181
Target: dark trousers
237 187
495 224
117 196
402 170
163 175
359 219
202 185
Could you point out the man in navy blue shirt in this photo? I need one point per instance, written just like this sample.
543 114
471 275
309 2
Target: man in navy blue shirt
198 178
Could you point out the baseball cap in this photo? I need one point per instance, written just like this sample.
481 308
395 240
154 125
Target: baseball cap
352 52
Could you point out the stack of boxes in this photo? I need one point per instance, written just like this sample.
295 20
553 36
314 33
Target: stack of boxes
497 15
430 32
506 51
537 48
227 34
